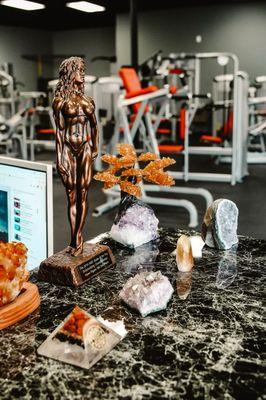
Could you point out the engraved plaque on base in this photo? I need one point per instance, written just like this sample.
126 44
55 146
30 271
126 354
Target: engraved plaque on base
64 269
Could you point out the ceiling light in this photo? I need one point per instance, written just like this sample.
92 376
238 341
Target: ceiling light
23 4
85 6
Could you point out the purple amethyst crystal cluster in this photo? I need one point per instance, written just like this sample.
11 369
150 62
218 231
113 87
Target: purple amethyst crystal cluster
147 292
135 223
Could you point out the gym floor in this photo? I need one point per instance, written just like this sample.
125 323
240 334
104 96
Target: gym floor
249 197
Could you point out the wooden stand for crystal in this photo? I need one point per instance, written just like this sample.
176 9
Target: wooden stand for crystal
64 269
26 302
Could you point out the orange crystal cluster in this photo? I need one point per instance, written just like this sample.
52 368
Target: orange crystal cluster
13 272
75 323
122 168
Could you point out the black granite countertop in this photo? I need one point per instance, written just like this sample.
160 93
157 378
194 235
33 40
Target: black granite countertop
209 346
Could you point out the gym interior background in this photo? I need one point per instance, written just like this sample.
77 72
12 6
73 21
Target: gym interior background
168 37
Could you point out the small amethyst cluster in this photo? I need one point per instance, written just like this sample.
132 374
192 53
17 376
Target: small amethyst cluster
135 223
147 292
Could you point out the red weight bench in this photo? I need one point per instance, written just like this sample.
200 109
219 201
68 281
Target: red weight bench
173 148
47 131
132 85
225 134
133 88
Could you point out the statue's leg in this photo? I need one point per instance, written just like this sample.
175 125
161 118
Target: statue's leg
84 172
71 196
70 182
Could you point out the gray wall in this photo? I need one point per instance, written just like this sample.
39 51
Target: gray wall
17 41
238 28
90 42
122 39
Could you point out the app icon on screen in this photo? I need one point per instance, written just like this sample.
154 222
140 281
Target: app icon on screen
17 227
17 219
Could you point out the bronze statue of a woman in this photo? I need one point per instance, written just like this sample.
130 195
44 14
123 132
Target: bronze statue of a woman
76 143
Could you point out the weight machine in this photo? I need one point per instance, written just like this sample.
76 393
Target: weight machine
12 132
106 90
8 94
257 122
234 149
230 113
251 115
17 110
145 126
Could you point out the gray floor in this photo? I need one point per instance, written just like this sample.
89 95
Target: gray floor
249 196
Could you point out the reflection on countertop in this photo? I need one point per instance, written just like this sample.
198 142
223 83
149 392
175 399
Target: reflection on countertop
206 345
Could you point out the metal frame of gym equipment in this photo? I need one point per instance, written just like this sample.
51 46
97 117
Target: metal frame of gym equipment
144 125
237 150
242 120
248 114
32 142
257 127
14 129
235 154
163 74
106 91
9 101
221 99
27 101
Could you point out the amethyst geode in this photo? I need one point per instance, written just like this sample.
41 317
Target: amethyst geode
147 292
135 223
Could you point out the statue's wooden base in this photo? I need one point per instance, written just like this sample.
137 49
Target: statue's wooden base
26 302
64 269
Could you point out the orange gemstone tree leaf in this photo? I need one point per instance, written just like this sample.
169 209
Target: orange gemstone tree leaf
130 188
122 170
160 178
159 164
126 161
148 157
108 185
125 149
106 176
112 169
132 172
109 159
